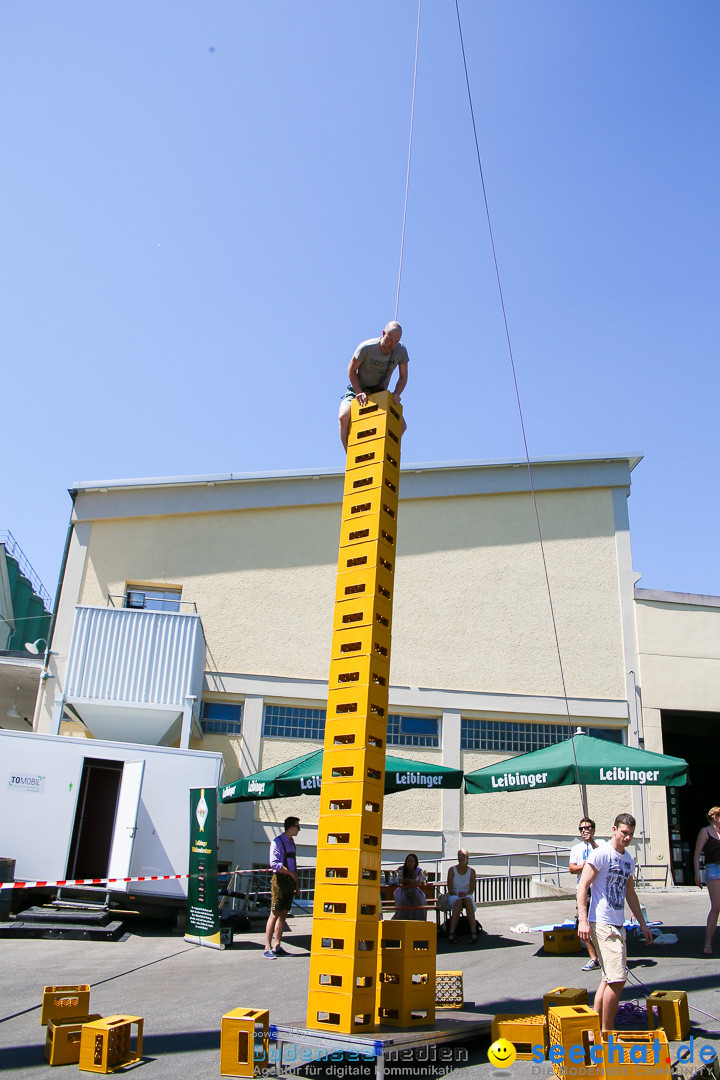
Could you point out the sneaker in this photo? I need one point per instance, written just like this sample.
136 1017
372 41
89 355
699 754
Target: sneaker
592 965
279 951
269 955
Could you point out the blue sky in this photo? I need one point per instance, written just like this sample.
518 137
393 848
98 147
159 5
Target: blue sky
202 217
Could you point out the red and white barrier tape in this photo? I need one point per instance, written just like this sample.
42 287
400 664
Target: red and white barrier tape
87 881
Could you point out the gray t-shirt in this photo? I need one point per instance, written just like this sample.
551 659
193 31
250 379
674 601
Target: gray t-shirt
607 903
375 368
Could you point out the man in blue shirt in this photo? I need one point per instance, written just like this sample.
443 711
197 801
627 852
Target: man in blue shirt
283 886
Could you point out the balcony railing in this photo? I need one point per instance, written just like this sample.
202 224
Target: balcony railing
125 656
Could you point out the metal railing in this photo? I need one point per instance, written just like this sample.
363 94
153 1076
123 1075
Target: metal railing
13 548
248 891
173 606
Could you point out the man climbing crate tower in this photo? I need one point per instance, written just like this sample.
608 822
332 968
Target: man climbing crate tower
342 994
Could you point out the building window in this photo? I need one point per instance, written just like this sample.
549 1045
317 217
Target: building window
517 738
218 718
147 598
287 722
412 731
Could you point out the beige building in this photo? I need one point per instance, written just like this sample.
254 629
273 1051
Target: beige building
197 612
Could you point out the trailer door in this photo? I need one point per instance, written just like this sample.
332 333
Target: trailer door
126 823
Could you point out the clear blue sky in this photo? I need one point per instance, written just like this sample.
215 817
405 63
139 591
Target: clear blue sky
202 207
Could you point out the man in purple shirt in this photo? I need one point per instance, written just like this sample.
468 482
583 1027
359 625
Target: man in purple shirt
282 889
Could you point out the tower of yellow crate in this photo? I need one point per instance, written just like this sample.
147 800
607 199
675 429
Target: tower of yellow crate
343 990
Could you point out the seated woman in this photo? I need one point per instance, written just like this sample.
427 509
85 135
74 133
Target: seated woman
410 901
461 889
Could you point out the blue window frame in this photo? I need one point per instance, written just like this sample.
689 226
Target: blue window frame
412 731
514 737
289 722
219 718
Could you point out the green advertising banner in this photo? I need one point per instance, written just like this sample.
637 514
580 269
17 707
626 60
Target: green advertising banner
203 918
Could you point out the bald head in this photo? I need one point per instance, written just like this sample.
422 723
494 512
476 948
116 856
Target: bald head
390 337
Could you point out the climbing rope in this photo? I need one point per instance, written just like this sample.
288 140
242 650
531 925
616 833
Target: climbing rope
407 174
583 798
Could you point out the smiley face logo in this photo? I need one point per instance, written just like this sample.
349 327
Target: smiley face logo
502 1053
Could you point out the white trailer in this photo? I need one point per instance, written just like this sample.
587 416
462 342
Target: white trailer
85 808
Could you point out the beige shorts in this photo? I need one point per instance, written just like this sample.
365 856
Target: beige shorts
609 942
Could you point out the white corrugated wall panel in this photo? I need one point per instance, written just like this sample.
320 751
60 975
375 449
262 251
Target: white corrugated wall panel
152 657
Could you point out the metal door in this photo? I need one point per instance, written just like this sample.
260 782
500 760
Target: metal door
126 823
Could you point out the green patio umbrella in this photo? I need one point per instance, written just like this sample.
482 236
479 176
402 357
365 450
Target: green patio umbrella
581 759
303 776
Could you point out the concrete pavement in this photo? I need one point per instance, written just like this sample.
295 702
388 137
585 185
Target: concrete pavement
182 990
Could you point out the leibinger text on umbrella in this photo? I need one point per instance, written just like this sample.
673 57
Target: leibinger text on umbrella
635 776
310 783
417 779
508 780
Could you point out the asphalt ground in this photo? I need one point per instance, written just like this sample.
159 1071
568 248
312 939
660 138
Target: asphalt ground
182 990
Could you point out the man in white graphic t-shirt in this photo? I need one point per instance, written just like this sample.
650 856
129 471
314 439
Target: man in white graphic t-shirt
609 869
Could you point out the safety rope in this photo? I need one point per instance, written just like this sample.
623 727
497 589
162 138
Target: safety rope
583 798
407 174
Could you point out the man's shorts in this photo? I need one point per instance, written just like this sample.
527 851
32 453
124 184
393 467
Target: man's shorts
609 942
282 891
350 394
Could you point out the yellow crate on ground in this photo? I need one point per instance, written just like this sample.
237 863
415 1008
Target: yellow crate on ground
62 1039
449 990
523 1031
65 1001
244 1037
572 1026
107 1045
636 1054
673 1010
565 995
346 1013
561 940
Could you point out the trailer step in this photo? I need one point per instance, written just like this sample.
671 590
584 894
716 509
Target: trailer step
65 915
77 931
